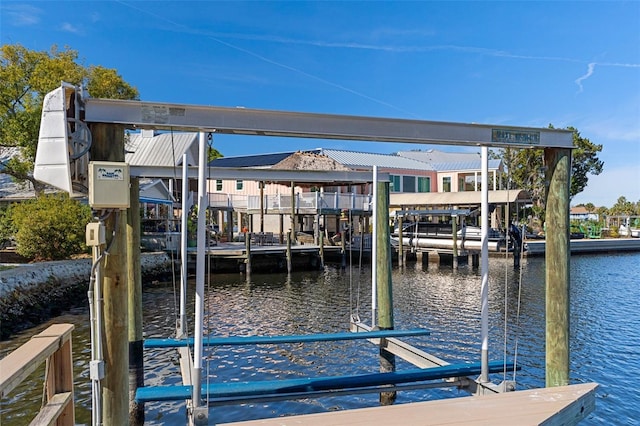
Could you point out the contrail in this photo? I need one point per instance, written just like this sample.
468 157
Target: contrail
279 64
579 80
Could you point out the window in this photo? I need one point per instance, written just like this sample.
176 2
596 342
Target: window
239 185
446 184
424 184
467 183
408 184
218 184
395 183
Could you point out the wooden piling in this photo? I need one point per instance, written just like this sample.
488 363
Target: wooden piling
343 249
400 242
384 287
247 245
293 213
321 241
261 184
425 260
289 254
454 232
134 277
557 258
108 145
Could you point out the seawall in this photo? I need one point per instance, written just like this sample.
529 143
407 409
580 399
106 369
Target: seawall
32 293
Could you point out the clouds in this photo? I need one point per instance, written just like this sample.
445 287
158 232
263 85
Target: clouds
22 15
70 28
579 80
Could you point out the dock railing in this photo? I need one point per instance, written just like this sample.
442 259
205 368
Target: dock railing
309 202
52 347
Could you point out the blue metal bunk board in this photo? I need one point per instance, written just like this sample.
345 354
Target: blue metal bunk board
269 340
313 384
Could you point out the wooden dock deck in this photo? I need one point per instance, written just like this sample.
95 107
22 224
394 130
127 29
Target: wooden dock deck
271 257
564 405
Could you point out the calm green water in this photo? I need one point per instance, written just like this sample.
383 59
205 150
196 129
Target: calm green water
605 342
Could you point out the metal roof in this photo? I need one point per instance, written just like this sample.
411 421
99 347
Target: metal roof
465 165
450 161
258 160
155 190
360 160
164 149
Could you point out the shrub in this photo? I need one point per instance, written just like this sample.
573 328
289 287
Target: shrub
50 227
7 230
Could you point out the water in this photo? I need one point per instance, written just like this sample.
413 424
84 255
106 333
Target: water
605 344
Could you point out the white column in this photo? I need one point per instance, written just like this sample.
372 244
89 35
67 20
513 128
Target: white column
374 252
484 268
183 247
200 259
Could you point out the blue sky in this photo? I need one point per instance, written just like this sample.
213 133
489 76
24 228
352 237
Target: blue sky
513 63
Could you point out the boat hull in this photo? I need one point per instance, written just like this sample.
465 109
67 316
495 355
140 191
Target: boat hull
447 243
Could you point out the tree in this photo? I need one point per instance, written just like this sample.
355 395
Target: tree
622 207
602 212
585 161
213 153
26 77
526 169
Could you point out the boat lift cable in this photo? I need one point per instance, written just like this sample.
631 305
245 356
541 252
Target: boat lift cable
176 308
355 316
208 306
515 350
506 280
519 253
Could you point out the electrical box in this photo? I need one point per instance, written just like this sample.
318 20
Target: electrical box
108 185
95 234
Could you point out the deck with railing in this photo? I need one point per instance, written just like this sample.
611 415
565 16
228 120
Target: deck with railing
305 202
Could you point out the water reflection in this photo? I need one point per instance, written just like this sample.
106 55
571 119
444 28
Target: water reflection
604 332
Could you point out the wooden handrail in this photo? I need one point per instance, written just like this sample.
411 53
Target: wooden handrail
53 345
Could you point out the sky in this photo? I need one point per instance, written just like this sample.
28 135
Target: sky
530 63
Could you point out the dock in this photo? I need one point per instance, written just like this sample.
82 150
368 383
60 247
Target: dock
586 246
565 405
232 256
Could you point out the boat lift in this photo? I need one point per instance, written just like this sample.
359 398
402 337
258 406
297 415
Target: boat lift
75 126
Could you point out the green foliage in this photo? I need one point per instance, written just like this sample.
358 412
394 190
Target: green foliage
51 227
213 153
584 162
28 75
526 168
623 207
7 229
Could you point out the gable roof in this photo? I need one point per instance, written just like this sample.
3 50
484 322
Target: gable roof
360 160
441 160
155 191
309 161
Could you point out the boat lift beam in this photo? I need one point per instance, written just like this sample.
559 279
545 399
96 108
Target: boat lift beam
246 121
